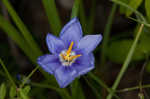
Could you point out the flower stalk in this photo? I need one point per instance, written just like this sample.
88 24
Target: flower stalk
126 63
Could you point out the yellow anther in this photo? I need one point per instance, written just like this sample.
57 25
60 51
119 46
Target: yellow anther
63 56
67 57
69 49
74 57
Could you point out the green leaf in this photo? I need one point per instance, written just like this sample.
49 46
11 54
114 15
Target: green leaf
21 26
77 92
26 89
52 15
144 40
23 94
12 92
91 17
148 67
117 51
11 31
144 44
15 35
61 91
2 91
147 8
96 90
83 17
122 8
140 15
134 4
101 83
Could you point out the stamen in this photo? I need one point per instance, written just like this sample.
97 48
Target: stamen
63 56
68 57
69 49
74 57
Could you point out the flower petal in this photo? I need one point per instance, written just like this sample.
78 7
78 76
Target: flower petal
55 45
65 75
84 64
72 31
89 43
49 63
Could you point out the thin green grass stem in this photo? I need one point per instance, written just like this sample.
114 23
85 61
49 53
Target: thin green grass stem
100 82
142 18
26 34
126 63
61 91
106 34
133 88
7 73
16 36
28 77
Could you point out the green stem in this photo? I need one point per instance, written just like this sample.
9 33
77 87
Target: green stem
101 83
67 96
98 95
133 88
2 74
7 73
126 62
142 18
28 77
43 86
107 33
91 18
75 9
138 21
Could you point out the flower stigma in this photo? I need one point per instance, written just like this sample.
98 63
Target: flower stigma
67 57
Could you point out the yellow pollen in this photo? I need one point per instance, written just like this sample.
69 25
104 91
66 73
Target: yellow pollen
67 56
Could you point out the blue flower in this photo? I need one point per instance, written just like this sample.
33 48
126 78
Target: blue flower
71 53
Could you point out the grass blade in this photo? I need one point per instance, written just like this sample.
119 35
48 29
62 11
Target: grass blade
134 4
96 92
7 73
83 17
100 82
130 8
63 92
52 15
77 92
126 62
147 9
3 91
106 34
14 35
75 9
26 34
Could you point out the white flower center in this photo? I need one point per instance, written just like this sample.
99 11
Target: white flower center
67 57
67 61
